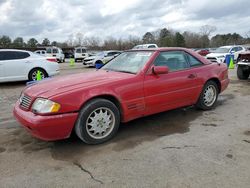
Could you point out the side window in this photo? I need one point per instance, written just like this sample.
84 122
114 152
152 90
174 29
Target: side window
48 51
12 55
235 49
151 46
240 48
2 56
84 50
55 51
193 61
174 60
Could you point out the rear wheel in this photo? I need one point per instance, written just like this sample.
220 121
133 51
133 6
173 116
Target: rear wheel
242 73
98 121
208 96
33 74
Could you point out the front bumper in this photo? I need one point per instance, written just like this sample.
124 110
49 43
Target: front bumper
49 128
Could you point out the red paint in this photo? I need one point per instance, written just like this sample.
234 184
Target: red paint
138 95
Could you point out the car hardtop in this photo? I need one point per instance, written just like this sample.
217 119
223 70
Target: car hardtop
168 49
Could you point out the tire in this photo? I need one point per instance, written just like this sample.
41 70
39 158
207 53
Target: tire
208 96
92 127
241 73
33 72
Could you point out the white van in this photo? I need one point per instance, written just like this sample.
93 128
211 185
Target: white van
143 46
80 53
55 52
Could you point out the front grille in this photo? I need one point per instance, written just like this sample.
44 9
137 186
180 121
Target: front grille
25 102
86 60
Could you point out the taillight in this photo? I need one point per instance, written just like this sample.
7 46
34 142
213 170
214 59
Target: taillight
51 59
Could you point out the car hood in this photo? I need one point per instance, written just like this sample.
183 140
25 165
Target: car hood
59 85
216 54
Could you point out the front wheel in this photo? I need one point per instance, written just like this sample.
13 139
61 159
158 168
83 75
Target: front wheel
208 96
98 121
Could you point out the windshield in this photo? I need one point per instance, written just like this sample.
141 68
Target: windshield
222 50
129 62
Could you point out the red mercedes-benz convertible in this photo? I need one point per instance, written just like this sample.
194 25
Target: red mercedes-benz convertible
137 83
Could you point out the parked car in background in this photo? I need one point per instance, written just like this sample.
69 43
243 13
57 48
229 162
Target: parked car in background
17 65
219 55
144 46
68 54
40 52
55 52
137 83
101 57
80 53
203 52
243 65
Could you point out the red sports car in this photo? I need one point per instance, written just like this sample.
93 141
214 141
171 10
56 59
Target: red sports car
137 83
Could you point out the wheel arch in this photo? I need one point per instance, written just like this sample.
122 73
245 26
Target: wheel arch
109 97
217 81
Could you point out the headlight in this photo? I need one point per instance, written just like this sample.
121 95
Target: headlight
45 106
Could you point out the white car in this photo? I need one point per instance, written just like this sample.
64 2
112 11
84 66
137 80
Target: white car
18 65
80 53
55 52
101 57
144 46
40 52
220 53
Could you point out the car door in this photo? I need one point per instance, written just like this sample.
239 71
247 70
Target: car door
16 65
171 90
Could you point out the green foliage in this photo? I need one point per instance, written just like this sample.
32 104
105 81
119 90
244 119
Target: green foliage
179 40
5 41
46 42
32 43
148 38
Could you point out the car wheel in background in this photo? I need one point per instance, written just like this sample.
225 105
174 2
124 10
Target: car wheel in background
98 121
208 96
33 74
242 73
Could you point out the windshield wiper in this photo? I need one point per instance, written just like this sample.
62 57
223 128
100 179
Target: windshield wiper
126 71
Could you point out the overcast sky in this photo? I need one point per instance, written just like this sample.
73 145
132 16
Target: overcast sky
58 19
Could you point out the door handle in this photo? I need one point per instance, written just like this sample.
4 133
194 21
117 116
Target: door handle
191 76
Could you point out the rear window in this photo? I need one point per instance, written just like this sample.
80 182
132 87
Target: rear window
48 50
78 50
55 51
12 55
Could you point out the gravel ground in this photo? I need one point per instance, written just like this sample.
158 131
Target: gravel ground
180 148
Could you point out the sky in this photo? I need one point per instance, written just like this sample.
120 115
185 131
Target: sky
60 19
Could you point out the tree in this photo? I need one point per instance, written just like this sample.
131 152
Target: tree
166 38
54 43
18 42
78 39
46 42
179 40
32 43
148 38
5 41
207 30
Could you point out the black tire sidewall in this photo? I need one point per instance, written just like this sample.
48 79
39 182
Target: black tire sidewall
200 104
241 74
34 70
81 129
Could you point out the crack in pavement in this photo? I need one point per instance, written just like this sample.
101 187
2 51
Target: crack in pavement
88 172
178 147
247 141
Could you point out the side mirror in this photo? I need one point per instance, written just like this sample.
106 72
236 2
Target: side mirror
232 51
160 70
